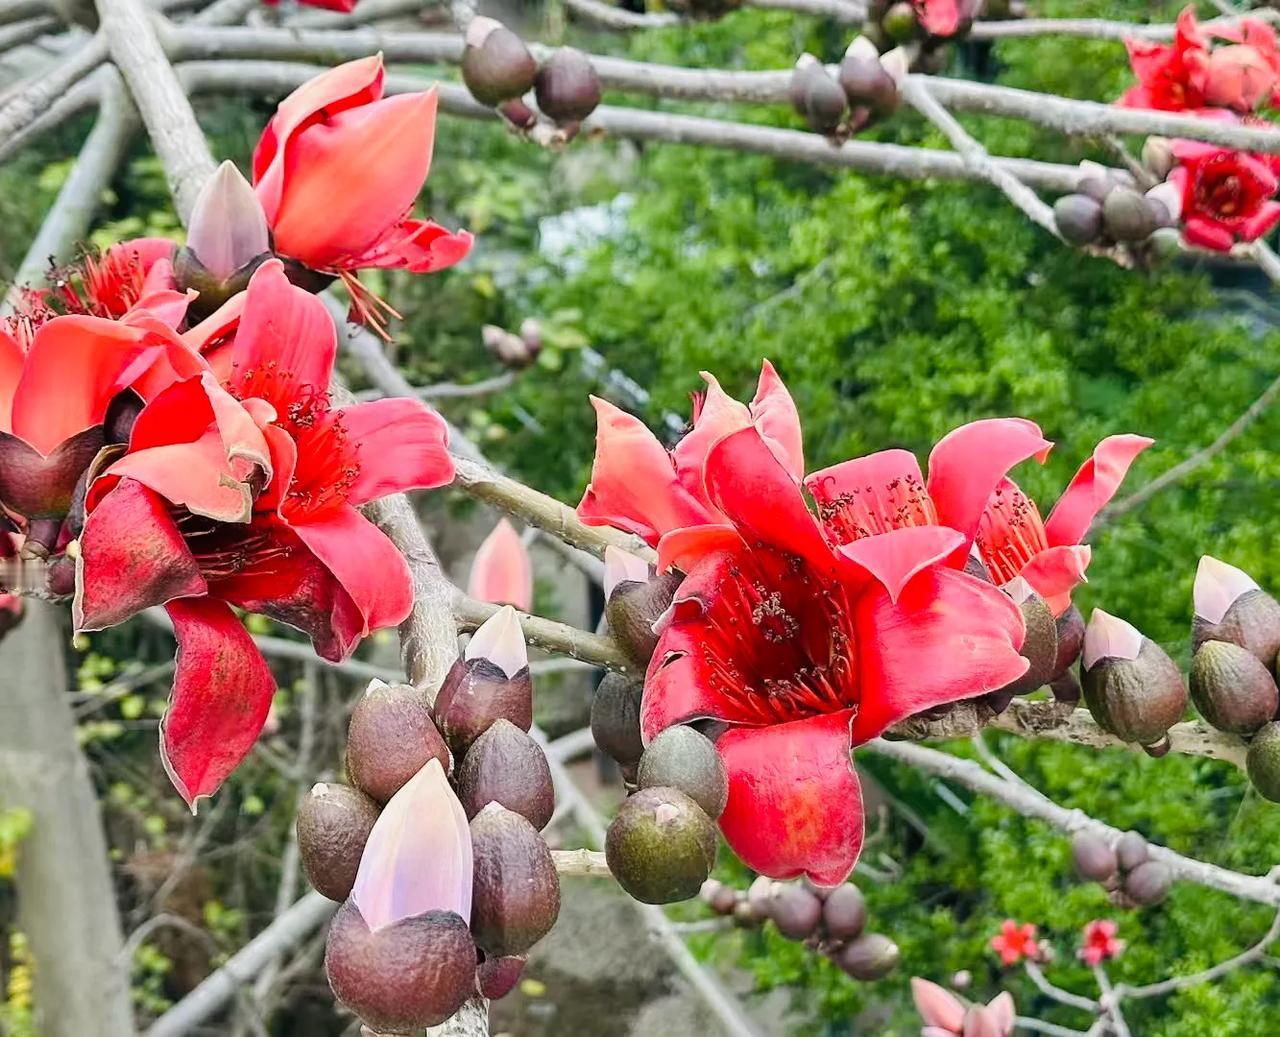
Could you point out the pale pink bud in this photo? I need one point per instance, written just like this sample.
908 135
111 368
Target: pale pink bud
1217 587
622 567
937 1007
502 571
1109 637
228 227
500 640
418 857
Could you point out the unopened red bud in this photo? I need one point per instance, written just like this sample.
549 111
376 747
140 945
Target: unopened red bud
515 895
490 682
635 600
414 973
1230 606
816 96
1131 686
615 718
661 846
794 910
682 758
497 977
871 956
900 22
1078 218
390 738
567 86
496 64
1040 646
505 766
1262 762
1131 850
844 912
1231 689
1093 858
334 822
1070 629
1149 883
1126 215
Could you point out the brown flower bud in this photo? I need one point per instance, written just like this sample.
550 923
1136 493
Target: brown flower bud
1131 686
635 600
414 973
334 822
1131 850
490 682
567 86
1232 690
816 96
1263 762
871 956
1094 860
1148 884
1078 218
496 64
390 738
615 718
865 80
1040 645
505 766
844 912
497 977
795 910
1126 215
515 896
1230 606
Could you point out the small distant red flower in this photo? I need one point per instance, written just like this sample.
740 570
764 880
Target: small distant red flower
945 18
1227 196
1015 942
341 6
1100 943
1170 77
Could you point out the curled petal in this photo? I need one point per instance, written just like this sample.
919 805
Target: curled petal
1054 573
684 548
419 246
894 558
795 803
222 691
1093 486
937 1007
776 417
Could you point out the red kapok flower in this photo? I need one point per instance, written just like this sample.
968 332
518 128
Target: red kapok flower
1100 943
945 18
804 649
1226 195
944 1015
341 6
638 486
1015 942
968 491
338 169
1171 78
247 495
502 571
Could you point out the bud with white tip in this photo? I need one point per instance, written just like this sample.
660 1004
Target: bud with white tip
635 599
816 96
1230 606
496 64
1131 686
870 81
490 682
227 239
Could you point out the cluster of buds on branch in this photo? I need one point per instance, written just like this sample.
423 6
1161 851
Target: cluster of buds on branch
1125 870
500 71
865 89
831 921
435 847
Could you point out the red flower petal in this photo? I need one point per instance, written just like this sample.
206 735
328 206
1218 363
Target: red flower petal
1207 233
795 803
1092 487
968 463
717 415
402 445
419 246
131 557
12 358
76 364
222 690
872 494
285 345
684 548
748 483
326 216
364 562
778 420
633 483
1056 572
1261 222
348 85
950 636
894 558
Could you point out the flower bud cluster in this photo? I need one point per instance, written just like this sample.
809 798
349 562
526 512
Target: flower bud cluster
434 848
1125 870
832 921
864 90
1107 211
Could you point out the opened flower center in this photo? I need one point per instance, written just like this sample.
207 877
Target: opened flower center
1010 533
328 466
780 641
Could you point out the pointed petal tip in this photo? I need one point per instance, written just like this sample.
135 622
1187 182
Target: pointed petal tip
1109 637
622 567
228 227
500 640
1217 586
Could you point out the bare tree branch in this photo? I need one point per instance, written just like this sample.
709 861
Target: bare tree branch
1098 28
547 633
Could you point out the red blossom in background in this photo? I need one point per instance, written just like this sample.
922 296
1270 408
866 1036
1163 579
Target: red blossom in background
945 18
1227 196
1015 942
637 485
502 571
805 649
1171 77
246 495
338 169
1100 943
341 6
